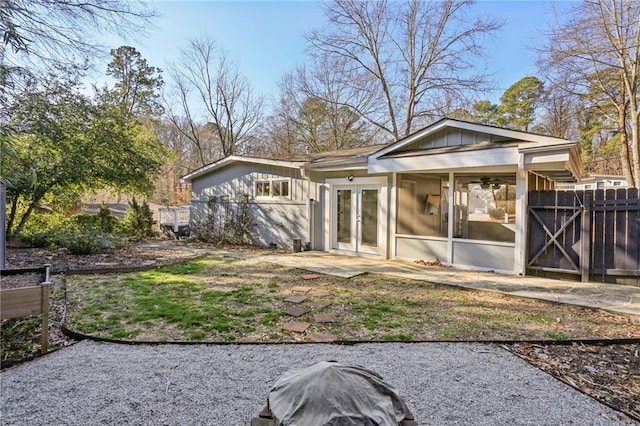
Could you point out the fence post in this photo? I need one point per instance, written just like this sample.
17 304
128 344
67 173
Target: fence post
44 340
585 238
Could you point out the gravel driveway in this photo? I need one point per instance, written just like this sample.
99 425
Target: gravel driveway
94 383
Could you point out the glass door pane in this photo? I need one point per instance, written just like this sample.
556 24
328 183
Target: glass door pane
369 217
343 222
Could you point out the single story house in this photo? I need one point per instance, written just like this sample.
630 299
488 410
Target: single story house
454 191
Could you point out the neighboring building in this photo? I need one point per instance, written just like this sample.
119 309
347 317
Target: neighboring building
453 191
596 182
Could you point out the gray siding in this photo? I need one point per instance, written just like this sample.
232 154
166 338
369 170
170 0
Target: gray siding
274 220
240 178
279 224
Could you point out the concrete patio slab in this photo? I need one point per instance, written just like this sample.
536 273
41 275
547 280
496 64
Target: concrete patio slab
622 299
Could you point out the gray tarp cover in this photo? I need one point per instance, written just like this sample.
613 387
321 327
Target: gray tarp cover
330 393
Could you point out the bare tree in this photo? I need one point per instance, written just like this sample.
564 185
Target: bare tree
62 30
595 50
326 83
411 55
558 111
232 111
181 117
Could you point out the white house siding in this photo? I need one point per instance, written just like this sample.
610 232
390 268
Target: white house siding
422 248
484 255
275 220
451 137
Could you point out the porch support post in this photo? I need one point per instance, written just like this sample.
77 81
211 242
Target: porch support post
450 222
520 255
393 216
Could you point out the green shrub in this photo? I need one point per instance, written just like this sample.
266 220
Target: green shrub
84 242
83 221
139 219
79 234
105 221
40 229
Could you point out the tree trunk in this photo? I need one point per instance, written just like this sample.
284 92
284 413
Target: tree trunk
624 148
12 216
635 148
26 215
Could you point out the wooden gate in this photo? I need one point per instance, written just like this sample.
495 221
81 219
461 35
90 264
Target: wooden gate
591 234
555 231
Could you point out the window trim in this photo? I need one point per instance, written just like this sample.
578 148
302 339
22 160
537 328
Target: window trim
280 182
272 183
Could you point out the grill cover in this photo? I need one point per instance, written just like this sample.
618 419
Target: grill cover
331 393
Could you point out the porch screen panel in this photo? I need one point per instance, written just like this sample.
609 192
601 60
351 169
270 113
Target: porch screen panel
422 206
485 208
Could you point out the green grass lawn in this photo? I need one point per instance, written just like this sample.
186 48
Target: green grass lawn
215 299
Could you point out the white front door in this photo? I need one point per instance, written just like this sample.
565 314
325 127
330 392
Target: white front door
356 213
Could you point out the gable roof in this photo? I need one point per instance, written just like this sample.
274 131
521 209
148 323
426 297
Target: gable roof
494 137
432 140
208 168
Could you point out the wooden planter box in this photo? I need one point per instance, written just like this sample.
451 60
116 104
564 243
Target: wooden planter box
27 301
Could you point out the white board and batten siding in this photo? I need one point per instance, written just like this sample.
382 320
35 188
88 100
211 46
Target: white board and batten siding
451 137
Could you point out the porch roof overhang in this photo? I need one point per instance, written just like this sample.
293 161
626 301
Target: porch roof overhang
504 151
560 162
237 159
496 159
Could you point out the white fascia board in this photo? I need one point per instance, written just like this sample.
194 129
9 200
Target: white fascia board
236 158
531 148
540 140
496 157
532 159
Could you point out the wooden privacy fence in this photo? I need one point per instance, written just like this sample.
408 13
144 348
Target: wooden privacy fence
593 234
27 301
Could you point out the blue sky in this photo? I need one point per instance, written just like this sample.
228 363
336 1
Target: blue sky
266 37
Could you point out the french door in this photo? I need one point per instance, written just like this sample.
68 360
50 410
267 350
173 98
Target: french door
356 215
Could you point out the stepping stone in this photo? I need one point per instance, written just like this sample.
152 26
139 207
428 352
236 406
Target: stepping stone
322 283
295 299
320 293
296 326
324 318
310 276
319 305
296 311
322 338
300 289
